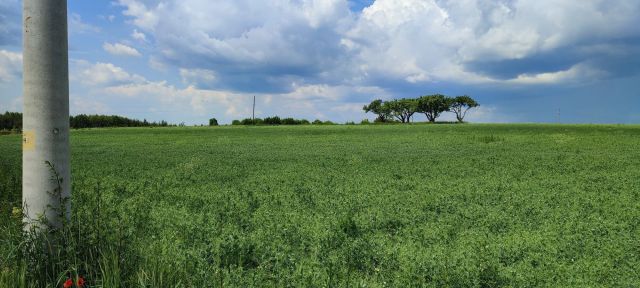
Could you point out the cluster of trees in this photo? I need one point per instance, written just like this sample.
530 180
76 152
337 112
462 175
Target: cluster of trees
13 121
275 120
432 106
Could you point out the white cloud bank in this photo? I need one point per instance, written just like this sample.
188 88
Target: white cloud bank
107 85
420 40
413 41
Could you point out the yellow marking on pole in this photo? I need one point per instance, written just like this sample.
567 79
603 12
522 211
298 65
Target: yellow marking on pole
28 141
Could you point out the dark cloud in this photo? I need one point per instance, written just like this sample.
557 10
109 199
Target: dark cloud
620 58
617 58
535 64
590 103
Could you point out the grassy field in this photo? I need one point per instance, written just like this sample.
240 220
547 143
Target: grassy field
360 206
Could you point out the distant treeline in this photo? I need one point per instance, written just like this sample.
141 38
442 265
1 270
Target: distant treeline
275 120
391 111
13 121
101 121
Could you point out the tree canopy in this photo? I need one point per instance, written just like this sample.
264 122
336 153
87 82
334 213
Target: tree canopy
376 107
460 106
402 109
432 106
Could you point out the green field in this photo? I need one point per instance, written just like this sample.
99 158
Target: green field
361 206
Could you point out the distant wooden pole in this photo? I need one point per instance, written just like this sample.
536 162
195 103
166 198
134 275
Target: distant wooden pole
253 113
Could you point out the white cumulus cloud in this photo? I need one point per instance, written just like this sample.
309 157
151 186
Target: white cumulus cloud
103 74
138 35
10 66
120 49
77 26
198 77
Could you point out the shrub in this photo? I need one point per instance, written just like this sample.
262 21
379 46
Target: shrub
290 121
275 120
247 121
381 120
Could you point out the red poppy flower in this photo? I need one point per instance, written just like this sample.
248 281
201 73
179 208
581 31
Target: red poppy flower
68 283
80 282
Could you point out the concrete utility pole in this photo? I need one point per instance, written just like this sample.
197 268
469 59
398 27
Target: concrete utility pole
46 107
253 113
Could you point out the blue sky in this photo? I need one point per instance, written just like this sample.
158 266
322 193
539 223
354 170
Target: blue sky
190 60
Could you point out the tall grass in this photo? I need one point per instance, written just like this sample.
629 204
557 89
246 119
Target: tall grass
93 244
